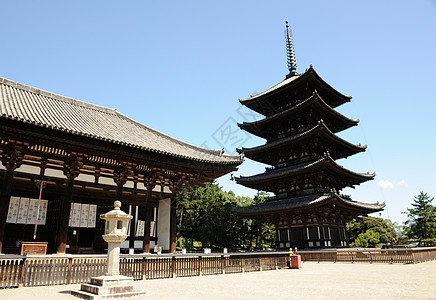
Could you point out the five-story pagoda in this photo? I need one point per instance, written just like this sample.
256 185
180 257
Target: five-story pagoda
300 127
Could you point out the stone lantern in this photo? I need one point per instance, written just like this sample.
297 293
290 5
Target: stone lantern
111 284
116 226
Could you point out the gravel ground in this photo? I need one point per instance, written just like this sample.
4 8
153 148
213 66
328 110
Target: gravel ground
313 281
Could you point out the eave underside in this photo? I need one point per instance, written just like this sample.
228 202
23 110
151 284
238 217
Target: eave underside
321 170
313 109
299 205
317 140
47 148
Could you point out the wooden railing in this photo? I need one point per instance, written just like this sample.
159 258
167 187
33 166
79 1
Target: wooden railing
10 272
403 256
38 271
53 270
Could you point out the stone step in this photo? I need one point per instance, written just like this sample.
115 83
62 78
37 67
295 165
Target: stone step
100 290
90 296
111 280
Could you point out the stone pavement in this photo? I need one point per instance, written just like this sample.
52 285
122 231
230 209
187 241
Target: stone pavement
313 281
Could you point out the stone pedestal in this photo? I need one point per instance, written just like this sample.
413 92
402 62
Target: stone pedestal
108 287
111 285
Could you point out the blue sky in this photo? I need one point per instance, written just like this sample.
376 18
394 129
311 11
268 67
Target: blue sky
180 67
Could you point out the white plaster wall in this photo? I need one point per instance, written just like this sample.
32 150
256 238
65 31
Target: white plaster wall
163 224
129 184
54 173
29 169
105 180
85 177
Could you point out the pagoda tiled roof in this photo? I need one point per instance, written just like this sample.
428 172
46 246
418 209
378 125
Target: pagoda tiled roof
259 180
319 130
26 104
294 80
341 121
307 202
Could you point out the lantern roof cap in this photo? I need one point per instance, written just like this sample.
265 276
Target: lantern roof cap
116 213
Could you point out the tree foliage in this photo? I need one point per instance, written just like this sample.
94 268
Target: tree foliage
421 221
367 239
358 230
204 215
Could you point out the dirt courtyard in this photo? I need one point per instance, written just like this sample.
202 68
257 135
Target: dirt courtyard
313 281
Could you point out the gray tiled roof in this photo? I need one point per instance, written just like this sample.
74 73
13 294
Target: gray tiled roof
314 101
288 80
307 201
30 105
320 128
296 170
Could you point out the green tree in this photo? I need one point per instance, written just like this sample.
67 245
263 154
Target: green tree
367 239
204 215
421 221
384 227
260 234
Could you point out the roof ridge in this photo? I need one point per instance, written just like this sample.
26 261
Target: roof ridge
55 96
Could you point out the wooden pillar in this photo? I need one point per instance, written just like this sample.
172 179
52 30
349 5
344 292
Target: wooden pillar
71 170
65 216
119 193
148 211
12 158
4 202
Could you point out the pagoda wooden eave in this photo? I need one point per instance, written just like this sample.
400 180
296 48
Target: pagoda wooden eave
335 120
306 203
333 97
320 132
324 165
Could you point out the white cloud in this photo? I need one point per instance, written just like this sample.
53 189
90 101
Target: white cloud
402 183
385 184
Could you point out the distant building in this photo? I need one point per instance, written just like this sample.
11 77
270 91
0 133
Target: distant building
84 157
301 145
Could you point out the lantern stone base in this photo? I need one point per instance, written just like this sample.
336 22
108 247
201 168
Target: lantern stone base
108 287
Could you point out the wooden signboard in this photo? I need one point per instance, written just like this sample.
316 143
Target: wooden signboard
92 215
14 206
22 212
140 228
32 211
43 212
33 248
84 215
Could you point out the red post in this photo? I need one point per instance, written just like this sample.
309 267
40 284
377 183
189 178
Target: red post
39 205
295 261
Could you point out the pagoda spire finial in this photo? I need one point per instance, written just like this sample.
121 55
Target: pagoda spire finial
292 65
